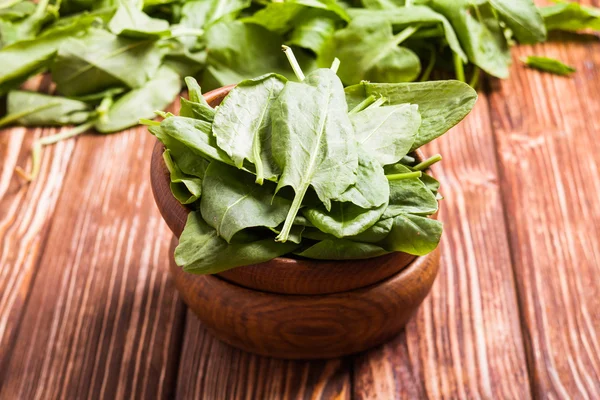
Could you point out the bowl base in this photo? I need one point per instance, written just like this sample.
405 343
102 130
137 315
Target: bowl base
307 326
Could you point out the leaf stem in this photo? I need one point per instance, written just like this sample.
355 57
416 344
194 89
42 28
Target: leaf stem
428 163
430 65
458 67
291 216
293 62
378 103
408 160
36 149
13 117
186 32
405 34
475 78
335 65
256 154
148 122
408 3
406 175
363 104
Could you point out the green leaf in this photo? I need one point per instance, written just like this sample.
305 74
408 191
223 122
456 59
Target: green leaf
479 32
342 249
404 17
371 187
186 188
224 8
409 196
202 251
277 17
238 51
195 134
280 17
315 142
413 234
442 104
30 108
375 233
100 60
231 201
23 59
16 11
344 219
189 161
388 133
431 183
242 123
312 29
370 51
196 107
523 18
570 17
130 21
548 65
30 26
140 103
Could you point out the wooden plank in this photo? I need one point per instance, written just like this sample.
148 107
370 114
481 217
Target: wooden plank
547 130
103 319
465 341
26 211
210 369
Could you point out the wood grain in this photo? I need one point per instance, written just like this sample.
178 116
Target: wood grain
548 144
25 218
465 341
103 319
307 327
210 369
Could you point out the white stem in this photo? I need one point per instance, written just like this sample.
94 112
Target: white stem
293 62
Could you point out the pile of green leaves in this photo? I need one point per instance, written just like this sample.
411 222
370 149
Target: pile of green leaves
115 61
307 168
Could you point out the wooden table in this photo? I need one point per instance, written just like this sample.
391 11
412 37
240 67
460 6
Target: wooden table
87 309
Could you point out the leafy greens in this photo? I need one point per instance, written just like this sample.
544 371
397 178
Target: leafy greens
336 182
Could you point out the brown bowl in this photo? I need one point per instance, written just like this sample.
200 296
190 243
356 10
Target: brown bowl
298 308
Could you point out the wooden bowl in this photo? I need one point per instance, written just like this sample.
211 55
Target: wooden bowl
298 308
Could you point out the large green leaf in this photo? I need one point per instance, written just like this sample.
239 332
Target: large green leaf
388 133
370 51
239 51
100 60
232 201
480 33
130 21
314 145
404 17
139 103
31 108
242 123
523 18
442 104
570 16
202 251
413 234
26 58
312 29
